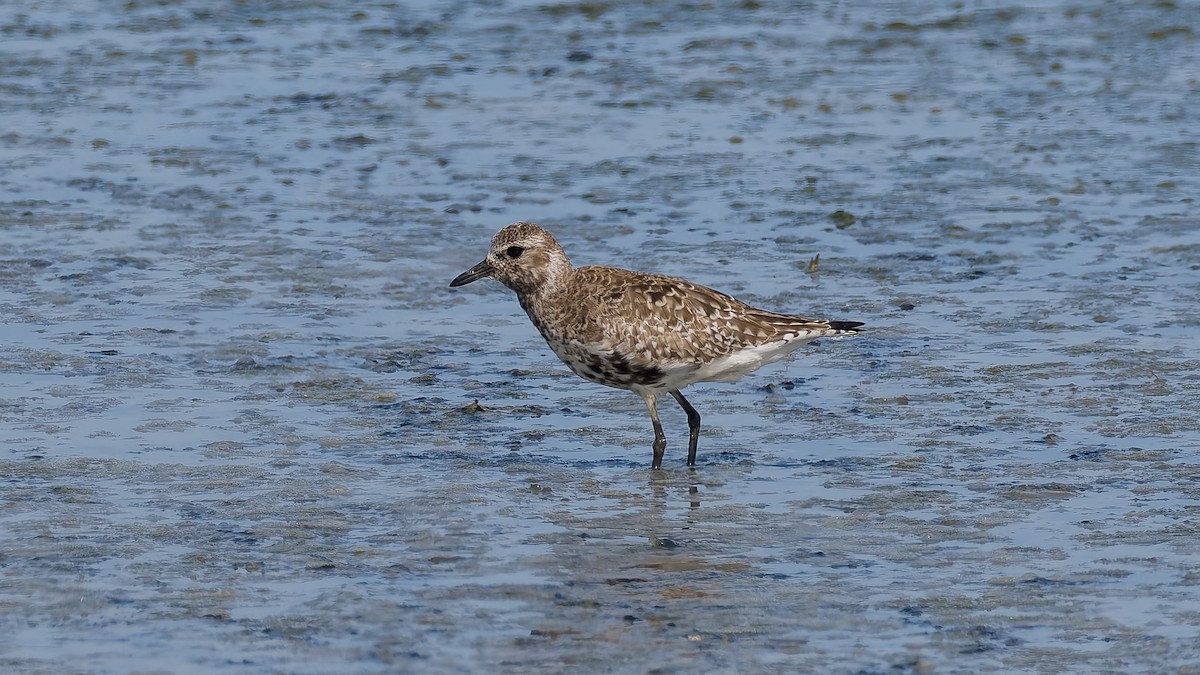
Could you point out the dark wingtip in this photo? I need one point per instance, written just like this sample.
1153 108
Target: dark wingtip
848 326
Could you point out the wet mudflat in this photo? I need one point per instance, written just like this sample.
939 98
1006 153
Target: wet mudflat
247 428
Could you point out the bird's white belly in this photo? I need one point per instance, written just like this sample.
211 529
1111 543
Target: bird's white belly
731 367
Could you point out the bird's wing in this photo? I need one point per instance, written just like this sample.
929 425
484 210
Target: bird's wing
655 319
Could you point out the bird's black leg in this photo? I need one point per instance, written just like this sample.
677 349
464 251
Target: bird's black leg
693 425
660 439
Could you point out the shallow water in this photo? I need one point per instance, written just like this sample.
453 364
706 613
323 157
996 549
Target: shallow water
239 404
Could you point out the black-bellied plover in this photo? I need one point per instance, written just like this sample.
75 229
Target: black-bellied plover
648 333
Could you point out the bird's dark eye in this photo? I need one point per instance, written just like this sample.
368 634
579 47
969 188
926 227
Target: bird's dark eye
514 251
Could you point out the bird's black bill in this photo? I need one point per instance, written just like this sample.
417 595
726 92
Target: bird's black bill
483 269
